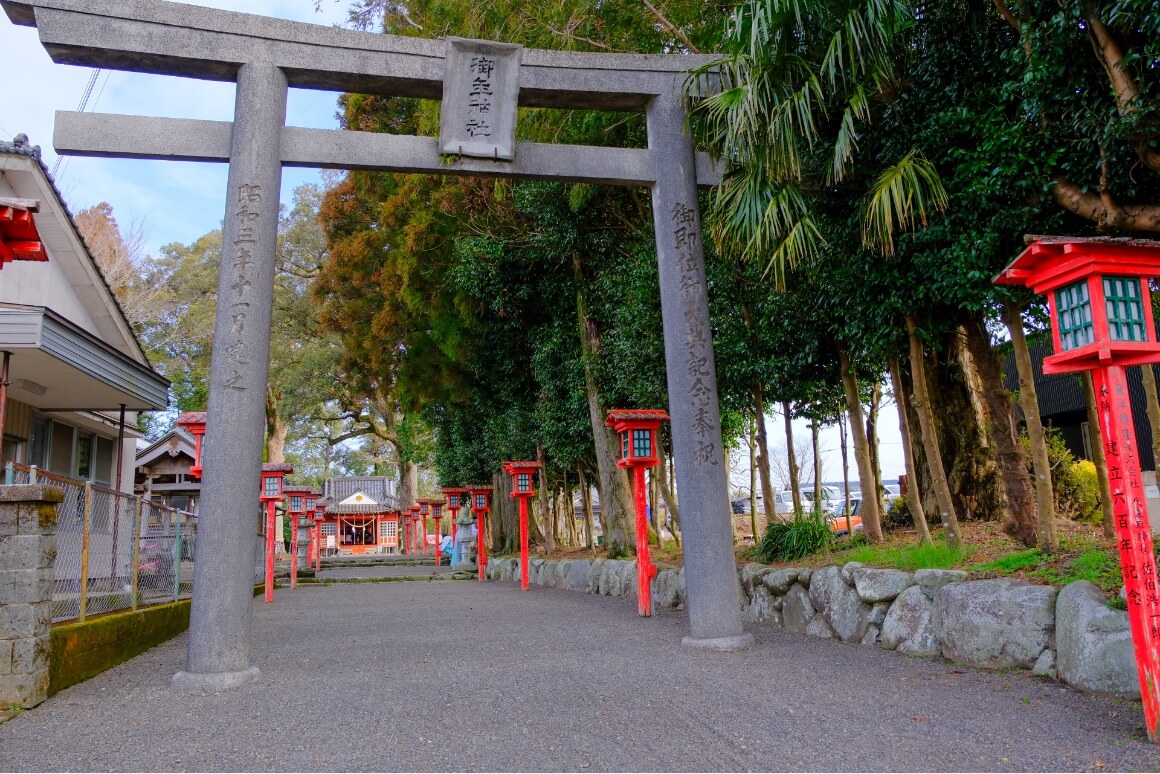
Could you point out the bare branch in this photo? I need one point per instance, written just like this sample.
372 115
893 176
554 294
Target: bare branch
668 25
1102 209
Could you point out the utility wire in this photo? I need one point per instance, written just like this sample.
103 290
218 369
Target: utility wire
81 107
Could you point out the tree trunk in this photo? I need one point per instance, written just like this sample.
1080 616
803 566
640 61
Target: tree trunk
1152 404
921 403
846 477
408 483
1029 402
664 471
276 428
654 498
871 516
767 493
872 440
795 484
546 508
1096 439
815 432
913 495
615 492
505 516
727 459
586 502
752 481
1019 515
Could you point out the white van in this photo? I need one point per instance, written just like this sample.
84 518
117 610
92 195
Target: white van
830 499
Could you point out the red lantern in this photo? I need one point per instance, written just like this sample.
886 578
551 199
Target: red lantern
194 424
638 450
273 474
523 487
454 495
437 514
295 510
1101 321
479 496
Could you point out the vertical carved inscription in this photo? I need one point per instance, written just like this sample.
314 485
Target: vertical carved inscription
686 234
242 252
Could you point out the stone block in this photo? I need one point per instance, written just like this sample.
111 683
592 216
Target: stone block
871 636
24 587
796 610
848 571
578 574
804 576
751 575
760 608
1045 664
839 604
779 581
30 655
561 579
26 552
628 581
668 588
6 657
907 626
19 622
819 628
931 581
594 573
1093 643
994 623
25 690
879 585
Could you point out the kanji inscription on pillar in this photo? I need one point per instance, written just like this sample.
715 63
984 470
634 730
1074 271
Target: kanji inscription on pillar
480 91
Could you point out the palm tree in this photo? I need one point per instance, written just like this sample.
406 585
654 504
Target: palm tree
797 79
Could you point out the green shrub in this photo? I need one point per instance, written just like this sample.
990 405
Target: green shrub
1074 482
807 533
898 515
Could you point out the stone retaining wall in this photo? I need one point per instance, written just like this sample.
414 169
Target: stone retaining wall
1071 635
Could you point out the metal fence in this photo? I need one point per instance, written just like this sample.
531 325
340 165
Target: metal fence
113 551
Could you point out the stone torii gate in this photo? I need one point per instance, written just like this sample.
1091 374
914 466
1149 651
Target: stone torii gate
264 57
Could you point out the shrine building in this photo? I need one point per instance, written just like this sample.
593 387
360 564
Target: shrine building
361 516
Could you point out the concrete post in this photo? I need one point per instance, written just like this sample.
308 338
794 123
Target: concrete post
710 567
27 552
220 617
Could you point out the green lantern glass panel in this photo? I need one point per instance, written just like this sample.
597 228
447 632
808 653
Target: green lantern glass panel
623 445
523 482
1073 307
295 503
271 486
641 443
453 501
1125 307
480 501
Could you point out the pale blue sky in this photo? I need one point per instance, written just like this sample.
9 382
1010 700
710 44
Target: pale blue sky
180 201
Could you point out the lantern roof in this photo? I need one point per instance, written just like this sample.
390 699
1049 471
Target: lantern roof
454 489
191 420
298 490
518 466
277 467
479 487
620 419
1049 262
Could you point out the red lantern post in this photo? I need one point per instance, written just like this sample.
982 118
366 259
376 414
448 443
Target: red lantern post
407 531
424 512
194 424
522 488
454 495
1101 321
273 474
296 510
480 503
638 450
414 509
437 514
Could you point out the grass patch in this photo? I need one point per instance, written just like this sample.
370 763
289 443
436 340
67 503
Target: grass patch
1098 566
923 556
1005 565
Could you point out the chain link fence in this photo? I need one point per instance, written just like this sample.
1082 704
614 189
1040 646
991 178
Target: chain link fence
113 551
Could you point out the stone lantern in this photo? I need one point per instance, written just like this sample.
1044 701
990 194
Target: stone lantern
638 450
1101 321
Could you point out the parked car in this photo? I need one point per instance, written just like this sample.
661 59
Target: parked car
830 499
740 505
838 523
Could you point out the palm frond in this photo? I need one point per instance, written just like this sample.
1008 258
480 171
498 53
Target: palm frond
903 195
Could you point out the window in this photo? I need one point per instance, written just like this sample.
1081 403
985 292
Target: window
1125 311
84 454
480 501
13 449
41 428
623 445
523 482
642 443
388 530
270 486
296 503
105 460
329 528
453 501
60 449
1074 308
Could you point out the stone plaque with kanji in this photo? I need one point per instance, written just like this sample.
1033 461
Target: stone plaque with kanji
480 91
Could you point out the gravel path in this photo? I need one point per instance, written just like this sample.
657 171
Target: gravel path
468 676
